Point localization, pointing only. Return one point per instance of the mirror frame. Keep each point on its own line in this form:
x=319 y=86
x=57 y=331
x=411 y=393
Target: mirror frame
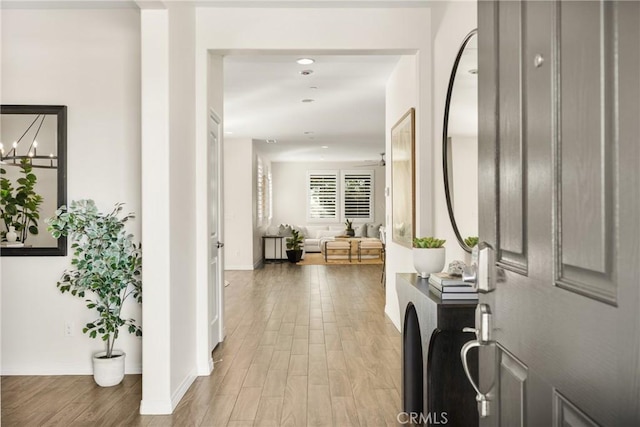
x=60 y=111
x=446 y=154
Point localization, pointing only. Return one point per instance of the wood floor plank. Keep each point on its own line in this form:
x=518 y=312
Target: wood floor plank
x=339 y=383
x=389 y=403
x=275 y=383
x=300 y=346
x=232 y=382
x=263 y=355
x=280 y=360
x=256 y=375
x=344 y=411
x=220 y=410
x=247 y=404
x=294 y=407
x=298 y=365
x=319 y=406
x=336 y=360
x=269 y=412
x=300 y=331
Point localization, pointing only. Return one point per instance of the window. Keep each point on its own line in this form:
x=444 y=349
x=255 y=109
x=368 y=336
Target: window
x=357 y=195
x=323 y=196
x=353 y=200
x=265 y=193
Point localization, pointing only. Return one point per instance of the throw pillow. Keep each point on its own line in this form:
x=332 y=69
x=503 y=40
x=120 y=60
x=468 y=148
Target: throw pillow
x=302 y=230
x=361 y=231
x=373 y=230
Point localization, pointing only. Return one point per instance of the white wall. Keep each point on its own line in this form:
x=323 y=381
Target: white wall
x=156 y=268
x=182 y=198
x=453 y=21
x=88 y=60
x=238 y=208
x=290 y=190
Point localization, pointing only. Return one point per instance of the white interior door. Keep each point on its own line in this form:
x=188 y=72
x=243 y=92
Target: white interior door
x=216 y=272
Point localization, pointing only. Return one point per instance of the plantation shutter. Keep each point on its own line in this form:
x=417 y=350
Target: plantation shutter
x=261 y=186
x=323 y=195
x=357 y=195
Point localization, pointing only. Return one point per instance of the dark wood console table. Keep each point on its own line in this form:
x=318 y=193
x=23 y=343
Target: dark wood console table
x=433 y=379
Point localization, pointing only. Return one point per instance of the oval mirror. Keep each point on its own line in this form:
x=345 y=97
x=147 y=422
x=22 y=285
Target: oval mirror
x=460 y=143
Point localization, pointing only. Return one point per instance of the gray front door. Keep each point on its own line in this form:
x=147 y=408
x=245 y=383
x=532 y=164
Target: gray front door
x=559 y=188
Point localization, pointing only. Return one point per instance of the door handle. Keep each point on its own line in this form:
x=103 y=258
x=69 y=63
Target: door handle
x=481 y=398
x=219 y=244
x=483 y=337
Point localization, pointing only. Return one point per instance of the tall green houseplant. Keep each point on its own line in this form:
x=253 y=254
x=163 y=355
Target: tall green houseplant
x=106 y=264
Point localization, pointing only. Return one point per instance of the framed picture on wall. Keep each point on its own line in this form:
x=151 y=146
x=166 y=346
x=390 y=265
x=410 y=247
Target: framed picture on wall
x=403 y=212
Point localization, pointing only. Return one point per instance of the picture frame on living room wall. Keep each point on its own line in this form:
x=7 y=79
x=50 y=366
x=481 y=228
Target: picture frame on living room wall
x=403 y=179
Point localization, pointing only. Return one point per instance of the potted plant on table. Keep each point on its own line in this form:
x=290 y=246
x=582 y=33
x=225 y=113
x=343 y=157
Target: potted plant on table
x=106 y=271
x=428 y=255
x=349 y=231
x=294 y=246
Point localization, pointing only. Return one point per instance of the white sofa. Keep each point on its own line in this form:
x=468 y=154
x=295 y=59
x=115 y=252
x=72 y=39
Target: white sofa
x=314 y=236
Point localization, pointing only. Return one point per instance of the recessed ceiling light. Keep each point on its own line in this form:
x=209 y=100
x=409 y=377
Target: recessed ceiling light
x=271 y=141
x=307 y=100
x=306 y=72
x=313 y=87
x=305 y=61
x=308 y=133
x=325 y=146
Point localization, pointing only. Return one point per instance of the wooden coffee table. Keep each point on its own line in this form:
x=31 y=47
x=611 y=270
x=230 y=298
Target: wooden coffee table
x=337 y=247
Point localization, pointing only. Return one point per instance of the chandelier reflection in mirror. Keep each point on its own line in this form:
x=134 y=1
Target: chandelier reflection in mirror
x=27 y=144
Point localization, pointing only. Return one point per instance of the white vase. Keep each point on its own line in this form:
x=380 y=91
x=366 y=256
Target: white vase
x=108 y=372
x=428 y=260
x=12 y=236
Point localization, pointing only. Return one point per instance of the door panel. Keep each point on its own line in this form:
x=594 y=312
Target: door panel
x=216 y=273
x=513 y=381
x=566 y=414
x=559 y=192
x=512 y=151
x=585 y=144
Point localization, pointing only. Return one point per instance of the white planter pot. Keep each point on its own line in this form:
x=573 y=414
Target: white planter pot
x=108 y=372
x=428 y=260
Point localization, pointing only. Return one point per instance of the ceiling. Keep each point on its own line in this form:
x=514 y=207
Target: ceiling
x=263 y=101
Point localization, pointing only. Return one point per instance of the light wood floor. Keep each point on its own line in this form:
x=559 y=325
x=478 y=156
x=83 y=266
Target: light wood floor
x=306 y=346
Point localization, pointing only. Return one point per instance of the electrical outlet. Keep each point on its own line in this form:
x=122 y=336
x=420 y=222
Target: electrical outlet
x=69 y=327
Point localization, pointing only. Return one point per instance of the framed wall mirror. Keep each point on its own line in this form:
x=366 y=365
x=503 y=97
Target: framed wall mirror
x=33 y=178
x=460 y=143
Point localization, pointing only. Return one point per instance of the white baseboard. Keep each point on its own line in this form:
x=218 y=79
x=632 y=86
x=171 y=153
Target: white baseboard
x=155 y=407
x=60 y=370
x=205 y=371
x=182 y=389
